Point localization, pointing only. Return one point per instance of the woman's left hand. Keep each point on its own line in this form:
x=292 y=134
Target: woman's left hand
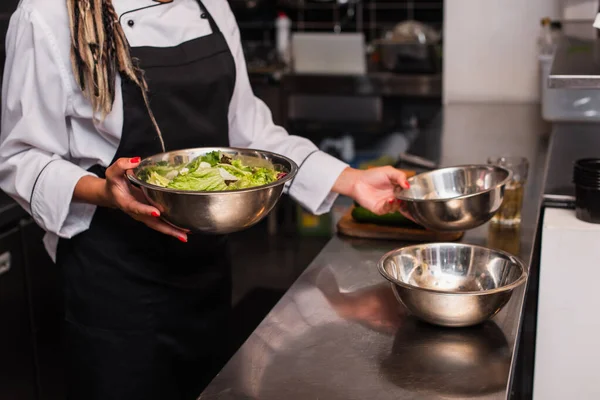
x=372 y=188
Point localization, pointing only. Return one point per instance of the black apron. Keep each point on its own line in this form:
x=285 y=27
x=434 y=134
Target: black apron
x=146 y=314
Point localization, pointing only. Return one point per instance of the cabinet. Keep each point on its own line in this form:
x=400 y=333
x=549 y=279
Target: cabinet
x=31 y=356
x=566 y=349
x=45 y=301
x=17 y=371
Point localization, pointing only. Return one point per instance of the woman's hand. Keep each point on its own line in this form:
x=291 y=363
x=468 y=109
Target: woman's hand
x=116 y=192
x=372 y=188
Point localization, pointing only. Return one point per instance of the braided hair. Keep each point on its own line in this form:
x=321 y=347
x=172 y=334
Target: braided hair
x=99 y=50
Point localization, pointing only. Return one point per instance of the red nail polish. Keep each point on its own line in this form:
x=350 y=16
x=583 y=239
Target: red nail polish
x=135 y=160
x=407 y=185
x=155 y=214
x=391 y=201
x=182 y=239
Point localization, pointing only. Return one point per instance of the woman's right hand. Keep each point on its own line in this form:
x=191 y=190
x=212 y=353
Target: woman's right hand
x=129 y=199
x=116 y=192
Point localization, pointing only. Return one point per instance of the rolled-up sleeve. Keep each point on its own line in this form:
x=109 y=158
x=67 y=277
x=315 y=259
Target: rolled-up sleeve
x=251 y=125
x=34 y=141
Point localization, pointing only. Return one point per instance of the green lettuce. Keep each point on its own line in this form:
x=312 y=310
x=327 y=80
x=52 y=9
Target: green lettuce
x=235 y=171
x=161 y=168
x=213 y=171
x=201 y=180
x=157 y=179
x=239 y=165
x=260 y=177
x=213 y=158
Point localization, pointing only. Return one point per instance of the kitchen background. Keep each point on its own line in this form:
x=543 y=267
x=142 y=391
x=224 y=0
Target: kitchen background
x=487 y=53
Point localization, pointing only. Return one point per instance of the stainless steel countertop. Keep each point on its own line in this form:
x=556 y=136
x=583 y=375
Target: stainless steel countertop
x=338 y=333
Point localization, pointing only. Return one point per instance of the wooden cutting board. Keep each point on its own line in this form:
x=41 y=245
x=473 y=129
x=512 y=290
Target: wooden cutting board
x=349 y=227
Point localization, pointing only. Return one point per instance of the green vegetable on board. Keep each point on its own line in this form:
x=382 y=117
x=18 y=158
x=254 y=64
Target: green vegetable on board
x=362 y=215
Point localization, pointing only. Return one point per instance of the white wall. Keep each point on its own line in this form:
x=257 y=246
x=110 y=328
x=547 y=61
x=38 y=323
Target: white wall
x=490 y=49
x=578 y=9
x=503 y=129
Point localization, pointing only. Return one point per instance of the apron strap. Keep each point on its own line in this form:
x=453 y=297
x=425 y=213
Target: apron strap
x=211 y=20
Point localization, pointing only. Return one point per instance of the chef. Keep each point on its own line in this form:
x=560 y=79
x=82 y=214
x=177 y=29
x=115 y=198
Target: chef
x=90 y=88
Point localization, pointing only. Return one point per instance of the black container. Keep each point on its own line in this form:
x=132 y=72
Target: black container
x=586 y=176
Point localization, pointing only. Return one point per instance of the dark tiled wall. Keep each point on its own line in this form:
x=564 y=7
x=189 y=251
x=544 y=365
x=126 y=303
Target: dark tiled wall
x=8 y=6
x=6 y=9
x=373 y=17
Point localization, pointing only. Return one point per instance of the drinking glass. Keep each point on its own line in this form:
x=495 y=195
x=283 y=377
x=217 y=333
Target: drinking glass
x=505 y=238
x=509 y=213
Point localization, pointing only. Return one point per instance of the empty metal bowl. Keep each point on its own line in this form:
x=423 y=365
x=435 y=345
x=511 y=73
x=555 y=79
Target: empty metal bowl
x=452 y=284
x=216 y=212
x=456 y=198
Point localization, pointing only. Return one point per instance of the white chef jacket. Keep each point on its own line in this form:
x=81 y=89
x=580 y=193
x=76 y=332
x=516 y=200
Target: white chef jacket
x=48 y=139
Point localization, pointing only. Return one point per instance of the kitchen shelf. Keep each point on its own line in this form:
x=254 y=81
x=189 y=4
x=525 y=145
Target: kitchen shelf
x=384 y=84
x=431 y=5
x=376 y=6
x=576 y=65
x=319 y=25
x=370 y=16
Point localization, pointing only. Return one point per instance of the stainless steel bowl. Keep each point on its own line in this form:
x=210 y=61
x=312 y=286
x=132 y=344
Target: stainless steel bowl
x=216 y=212
x=452 y=284
x=456 y=198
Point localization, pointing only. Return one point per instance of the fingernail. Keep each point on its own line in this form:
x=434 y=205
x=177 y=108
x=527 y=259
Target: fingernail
x=182 y=239
x=407 y=185
x=135 y=160
x=155 y=214
x=391 y=201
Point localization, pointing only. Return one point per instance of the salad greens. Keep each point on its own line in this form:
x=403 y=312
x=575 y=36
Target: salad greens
x=214 y=171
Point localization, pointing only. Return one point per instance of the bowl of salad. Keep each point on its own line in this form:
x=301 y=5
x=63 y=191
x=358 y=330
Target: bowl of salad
x=213 y=190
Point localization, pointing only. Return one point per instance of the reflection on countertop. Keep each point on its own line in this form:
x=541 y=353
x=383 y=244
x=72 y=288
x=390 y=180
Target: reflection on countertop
x=338 y=334
x=422 y=355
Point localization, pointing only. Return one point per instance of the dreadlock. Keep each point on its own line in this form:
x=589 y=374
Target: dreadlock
x=99 y=50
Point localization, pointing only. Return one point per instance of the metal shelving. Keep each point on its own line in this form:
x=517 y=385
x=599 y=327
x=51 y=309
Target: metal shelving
x=369 y=16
